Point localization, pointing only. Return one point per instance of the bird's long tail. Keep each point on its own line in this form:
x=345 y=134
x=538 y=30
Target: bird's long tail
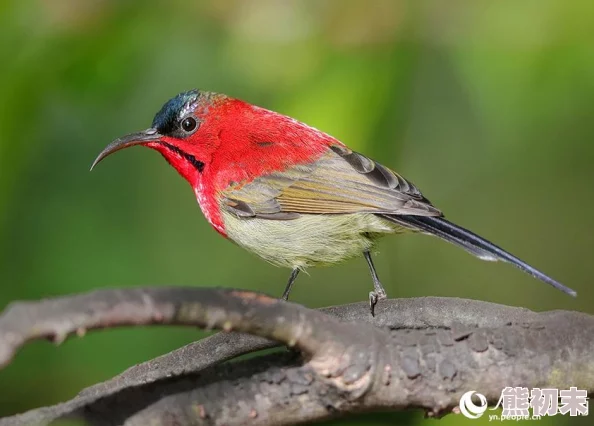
x=472 y=243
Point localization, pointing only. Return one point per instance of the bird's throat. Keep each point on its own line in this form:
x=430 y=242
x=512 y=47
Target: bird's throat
x=193 y=171
x=187 y=165
x=198 y=165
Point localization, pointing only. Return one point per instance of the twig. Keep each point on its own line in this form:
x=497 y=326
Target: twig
x=417 y=353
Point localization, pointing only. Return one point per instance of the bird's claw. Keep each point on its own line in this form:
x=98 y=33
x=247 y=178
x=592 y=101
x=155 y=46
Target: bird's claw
x=374 y=297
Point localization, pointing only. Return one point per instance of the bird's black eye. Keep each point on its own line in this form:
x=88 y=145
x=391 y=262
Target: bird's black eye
x=189 y=124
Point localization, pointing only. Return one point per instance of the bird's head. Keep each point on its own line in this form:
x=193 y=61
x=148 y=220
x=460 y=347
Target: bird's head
x=182 y=131
x=210 y=137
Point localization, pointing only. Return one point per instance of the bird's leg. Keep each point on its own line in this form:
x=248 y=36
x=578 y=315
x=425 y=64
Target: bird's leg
x=294 y=274
x=378 y=292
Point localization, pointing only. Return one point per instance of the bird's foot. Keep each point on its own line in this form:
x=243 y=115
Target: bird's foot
x=289 y=285
x=374 y=297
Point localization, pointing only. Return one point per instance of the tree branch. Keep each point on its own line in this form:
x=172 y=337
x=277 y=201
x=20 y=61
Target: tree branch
x=420 y=353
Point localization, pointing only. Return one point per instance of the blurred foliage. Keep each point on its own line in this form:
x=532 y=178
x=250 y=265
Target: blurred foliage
x=486 y=106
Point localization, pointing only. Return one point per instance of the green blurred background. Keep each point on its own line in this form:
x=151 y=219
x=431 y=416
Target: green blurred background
x=487 y=106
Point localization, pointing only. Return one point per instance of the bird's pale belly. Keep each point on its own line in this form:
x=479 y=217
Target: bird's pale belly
x=310 y=240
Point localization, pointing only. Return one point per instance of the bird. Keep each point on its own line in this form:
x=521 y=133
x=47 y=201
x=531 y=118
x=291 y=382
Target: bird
x=292 y=194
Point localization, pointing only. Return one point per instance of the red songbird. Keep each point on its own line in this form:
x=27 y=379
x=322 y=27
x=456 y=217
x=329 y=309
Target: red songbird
x=293 y=195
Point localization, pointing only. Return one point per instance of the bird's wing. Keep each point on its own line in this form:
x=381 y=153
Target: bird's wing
x=341 y=181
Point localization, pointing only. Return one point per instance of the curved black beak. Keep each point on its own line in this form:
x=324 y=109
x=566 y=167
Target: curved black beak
x=148 y=135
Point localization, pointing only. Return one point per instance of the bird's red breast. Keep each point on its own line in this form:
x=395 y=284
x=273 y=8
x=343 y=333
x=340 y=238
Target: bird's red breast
x=238 y=142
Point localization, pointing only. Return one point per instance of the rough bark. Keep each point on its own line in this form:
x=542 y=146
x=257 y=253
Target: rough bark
x=415 y=353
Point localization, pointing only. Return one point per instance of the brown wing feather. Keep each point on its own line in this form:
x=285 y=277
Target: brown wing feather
x=341 y=181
